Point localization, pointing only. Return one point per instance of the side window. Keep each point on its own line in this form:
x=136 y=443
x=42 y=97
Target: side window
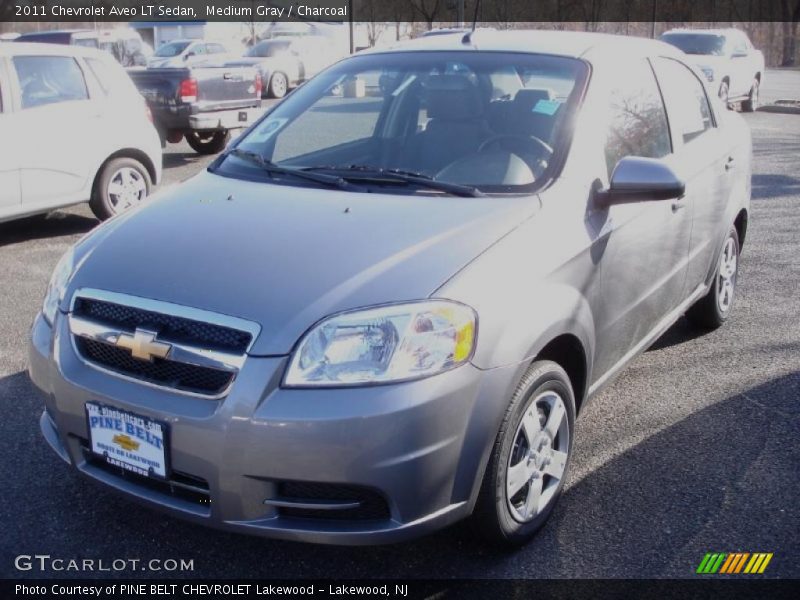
x=687 y=103
x=111 y=77
x=638 y=123
x=216 y=49
x=49 y=80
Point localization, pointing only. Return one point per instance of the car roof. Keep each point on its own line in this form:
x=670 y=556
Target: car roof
x=57 y=32
x=716 y=32
x=42 y=49
x=572 y=44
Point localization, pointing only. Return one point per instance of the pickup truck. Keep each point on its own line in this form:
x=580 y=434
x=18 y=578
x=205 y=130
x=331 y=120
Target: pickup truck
x=733 y=67
x=202 y=104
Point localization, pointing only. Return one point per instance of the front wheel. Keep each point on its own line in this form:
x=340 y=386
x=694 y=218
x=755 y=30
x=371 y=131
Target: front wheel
x=122 y=184
x=208 y=142
x=714 y=308
x=530 y=459
x=751 y=104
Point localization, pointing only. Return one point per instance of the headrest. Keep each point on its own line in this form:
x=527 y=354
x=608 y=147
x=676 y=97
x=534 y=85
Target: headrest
x=452 y=98
x=528 y=97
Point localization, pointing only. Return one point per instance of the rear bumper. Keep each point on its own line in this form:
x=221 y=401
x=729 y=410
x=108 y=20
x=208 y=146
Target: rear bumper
x=420 y=446
x=225 y=119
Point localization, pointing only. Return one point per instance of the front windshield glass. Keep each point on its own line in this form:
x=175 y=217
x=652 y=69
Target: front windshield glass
x=696 y=43
x=490 y=120
x=171 y=49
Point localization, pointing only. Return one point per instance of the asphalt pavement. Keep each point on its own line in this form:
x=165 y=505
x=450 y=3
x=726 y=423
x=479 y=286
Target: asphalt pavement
x=694 y=449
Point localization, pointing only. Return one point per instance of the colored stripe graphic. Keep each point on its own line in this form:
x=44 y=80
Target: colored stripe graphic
x=734 y=563
x=741 y=562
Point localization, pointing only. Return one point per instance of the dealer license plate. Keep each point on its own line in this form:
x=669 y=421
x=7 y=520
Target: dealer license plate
x=127 y=440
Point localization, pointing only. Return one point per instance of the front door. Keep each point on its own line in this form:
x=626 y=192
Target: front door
x=646 y=251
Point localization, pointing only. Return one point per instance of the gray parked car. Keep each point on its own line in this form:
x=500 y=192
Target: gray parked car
x=379 y=312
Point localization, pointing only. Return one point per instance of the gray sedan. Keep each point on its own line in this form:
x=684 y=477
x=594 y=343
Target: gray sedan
x=380 y=310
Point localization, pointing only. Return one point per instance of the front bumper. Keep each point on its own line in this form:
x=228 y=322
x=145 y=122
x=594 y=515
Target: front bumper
x=420 y=446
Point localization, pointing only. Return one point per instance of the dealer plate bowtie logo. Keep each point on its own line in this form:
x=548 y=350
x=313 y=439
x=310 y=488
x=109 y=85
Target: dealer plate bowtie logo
x=125 y=442
x=143 y=345
x=734 y=563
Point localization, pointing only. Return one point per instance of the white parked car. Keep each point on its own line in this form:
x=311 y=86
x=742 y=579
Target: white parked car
x=73 y=129
x=732 y=66
x=185 y=53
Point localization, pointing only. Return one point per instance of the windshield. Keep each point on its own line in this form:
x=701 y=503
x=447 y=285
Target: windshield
x=696 y=43
x=172 y=49
x=266 y=49
x=490 y=120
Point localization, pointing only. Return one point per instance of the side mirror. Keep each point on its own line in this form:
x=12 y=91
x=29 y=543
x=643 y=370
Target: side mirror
x=188 y=55
x=637 y=179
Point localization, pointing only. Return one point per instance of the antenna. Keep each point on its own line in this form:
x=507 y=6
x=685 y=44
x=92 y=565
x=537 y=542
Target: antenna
x=467 y=39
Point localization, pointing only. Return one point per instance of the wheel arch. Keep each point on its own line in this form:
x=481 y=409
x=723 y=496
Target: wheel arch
x=740 y=223
x=127 y=153
x=567 y=351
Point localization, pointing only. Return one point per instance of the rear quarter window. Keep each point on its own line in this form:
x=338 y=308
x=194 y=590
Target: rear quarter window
x=112 y=78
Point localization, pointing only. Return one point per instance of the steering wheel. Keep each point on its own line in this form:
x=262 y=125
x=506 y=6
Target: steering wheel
x=532 y=143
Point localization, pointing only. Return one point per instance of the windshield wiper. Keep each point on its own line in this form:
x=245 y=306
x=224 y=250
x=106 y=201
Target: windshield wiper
x=273 y=169
x=377 y=174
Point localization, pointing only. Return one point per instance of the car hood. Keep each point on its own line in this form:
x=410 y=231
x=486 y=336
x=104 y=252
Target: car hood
x=157 y=62
x=708 y=60
x=284 y=256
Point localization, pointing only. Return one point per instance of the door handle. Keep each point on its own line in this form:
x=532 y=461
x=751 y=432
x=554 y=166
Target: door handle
x=730 y=163
x=678 y=204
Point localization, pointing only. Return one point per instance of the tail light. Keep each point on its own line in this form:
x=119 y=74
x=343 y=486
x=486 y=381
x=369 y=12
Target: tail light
x=259 y=85
x=188 y=90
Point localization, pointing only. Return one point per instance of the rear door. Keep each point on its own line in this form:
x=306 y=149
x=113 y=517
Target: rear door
x=703 y=153
x=9 y=134
x=60 y=124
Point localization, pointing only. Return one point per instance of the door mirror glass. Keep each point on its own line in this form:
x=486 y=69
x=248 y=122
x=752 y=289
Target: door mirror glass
x=636 y=179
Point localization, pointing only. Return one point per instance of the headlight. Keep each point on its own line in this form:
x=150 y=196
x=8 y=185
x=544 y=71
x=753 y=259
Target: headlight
x=388 y=343
x=57 y=285
x=708 y=72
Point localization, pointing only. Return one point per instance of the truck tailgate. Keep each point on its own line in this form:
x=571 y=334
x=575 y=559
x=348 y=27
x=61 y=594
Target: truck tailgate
x=221 y=88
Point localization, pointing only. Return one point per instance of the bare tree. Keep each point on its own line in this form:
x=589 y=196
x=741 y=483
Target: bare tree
x=790 y=11
x=427 y=9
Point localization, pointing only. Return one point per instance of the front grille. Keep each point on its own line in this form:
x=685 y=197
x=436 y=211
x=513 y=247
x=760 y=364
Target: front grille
x=170 y=327
x=373 y=506
x=164 y=372
x=180 y=485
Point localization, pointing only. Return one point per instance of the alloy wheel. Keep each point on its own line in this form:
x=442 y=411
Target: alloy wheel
x=126 y=188
x=726 y=283
x=538 y=458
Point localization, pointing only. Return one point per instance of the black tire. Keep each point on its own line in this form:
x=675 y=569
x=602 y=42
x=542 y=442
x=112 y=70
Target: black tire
x=724 y=93
x=278 y=85
x=492 y=517
x=751 y=103
x=707 y=314
x=102 y=202
x=208 y=142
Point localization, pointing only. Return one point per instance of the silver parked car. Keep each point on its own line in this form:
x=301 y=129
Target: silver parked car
x=383 y=308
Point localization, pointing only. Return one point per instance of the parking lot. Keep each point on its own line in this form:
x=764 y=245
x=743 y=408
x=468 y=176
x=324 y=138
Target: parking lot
x=694 y=449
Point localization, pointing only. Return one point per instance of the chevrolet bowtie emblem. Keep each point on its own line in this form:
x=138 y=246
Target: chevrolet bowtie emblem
x=125 y=442
x=143 y=345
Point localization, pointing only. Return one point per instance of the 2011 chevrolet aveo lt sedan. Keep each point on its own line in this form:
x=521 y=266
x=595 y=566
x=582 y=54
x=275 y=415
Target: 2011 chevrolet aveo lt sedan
x=381 y=308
